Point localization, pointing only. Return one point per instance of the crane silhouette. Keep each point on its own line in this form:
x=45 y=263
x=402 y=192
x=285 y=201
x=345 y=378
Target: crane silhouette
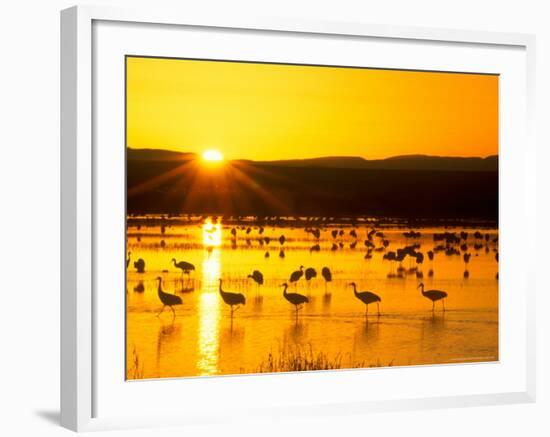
x=310 y=273
x=257 y=277
x=232 y=299
x=184 y=266
x=367 y=297
x=295 y=299
x=433 y=295
x=466 y=257
x=140 y=265
x=296 y=275
x=327 y=275
x=167 y=299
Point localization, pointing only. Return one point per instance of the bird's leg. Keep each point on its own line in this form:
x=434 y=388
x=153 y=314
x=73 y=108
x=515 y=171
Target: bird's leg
x=378 y=305
x=173 y=312
x=433 y=306
x=443 y=302
x=161 y=311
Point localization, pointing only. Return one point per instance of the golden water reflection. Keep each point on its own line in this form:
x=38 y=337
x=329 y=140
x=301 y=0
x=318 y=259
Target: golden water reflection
x=209 y=311
x=212 y=233
x=204 y=340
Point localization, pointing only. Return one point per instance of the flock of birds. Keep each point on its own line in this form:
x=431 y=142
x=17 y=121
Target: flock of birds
x=235 y=300
x=449 y=243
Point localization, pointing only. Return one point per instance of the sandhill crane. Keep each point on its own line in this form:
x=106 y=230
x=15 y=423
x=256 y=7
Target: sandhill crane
x=233 y=232
x=433 y=295
x=167 y=299
x=282 y=239
x=128 y=259
x=232 y=299
x=184 y=266
x=310 y=273
x=466 y=258
x=266 y=255
x=315 y=248
x=334 y=233
x=295 y=299
x=257 y=276
x=353 y=233
x=296 y=275
x=316 y=233
x=140 y=265
x=367 y=297
x=327 y=275
x=281 y=253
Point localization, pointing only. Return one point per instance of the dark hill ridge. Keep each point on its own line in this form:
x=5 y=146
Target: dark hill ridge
x=411 y=187
x=405 y=162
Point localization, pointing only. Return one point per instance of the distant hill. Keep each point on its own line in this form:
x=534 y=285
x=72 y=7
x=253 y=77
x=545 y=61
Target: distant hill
x=158 y=155
x=407 y=186
x=405 y=162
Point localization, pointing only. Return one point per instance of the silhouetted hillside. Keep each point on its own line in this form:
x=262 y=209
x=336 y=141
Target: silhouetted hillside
x=406 y=162
x=179 y=183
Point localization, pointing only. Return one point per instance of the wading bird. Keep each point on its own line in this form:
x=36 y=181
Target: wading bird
x=140 y=265
x=257 y=276
x=310 y=273
x=296 y=275
x=433 y=295
x=327 y=275
x=367 y=297
x=184 y=266
x=466 y=258
x=167 y=299
x=295 y=299
x=232 y=299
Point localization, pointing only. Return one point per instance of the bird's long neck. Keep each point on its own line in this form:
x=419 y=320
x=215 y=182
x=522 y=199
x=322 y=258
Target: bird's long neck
x=354 y=289
x=220 y=288
x=159 y=289
x=422 y=290
x=174 y=261
x=284 y=291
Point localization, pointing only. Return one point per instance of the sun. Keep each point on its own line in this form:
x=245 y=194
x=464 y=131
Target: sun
x=212 y=155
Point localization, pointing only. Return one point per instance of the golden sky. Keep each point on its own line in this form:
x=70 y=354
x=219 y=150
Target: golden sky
x=268 y=111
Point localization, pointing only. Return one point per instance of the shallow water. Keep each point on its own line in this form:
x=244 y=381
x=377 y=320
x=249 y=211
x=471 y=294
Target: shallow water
x=203 y=339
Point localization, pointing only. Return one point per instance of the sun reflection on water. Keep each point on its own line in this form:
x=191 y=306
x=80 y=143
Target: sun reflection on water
x=209 y=302
x=211 y=233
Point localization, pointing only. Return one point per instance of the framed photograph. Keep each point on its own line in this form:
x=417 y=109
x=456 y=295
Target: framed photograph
x=291 y=218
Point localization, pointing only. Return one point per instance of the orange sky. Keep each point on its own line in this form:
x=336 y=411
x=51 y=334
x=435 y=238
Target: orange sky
x=267 y=111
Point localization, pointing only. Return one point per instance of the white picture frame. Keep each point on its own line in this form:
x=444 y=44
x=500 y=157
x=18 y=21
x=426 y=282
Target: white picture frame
x=80 y=224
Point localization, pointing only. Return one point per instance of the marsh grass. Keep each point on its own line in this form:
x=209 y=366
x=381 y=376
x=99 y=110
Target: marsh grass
x=136 y=371
x=302 y=359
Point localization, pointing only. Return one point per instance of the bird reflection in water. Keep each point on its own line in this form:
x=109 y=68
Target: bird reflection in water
x=166 y=339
